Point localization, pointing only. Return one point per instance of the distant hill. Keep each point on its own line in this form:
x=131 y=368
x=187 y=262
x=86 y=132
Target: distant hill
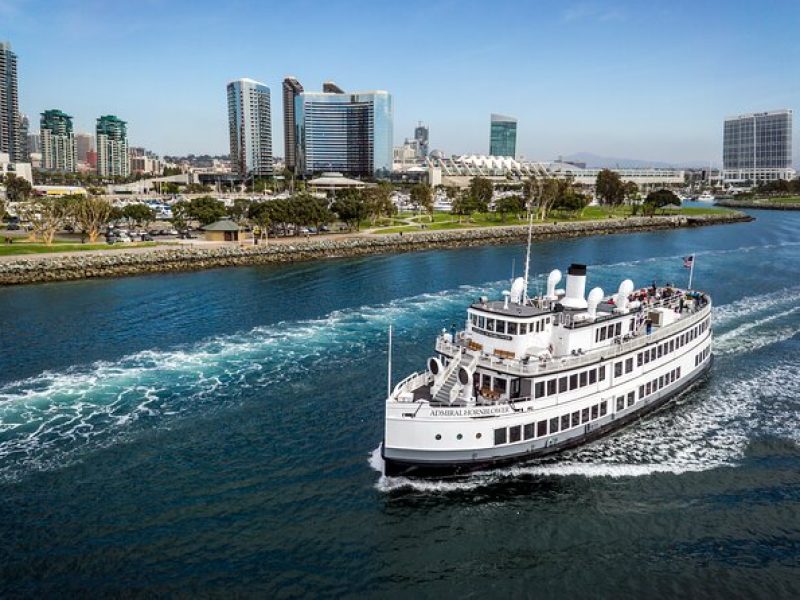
x=609 y=162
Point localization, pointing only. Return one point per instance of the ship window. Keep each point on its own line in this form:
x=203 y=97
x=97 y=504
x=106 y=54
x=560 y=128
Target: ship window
x=529 y=430
x=539 y=389
x=564 y=422
x=500 y=385
x=679 y=372
x=646 y=354
x=603 y=408
x=499 y=436
x=573 y=381
x=576 y=419
x=481 y=322
x=501 y=326
x=628 y=365
x=601 y=334
x=459 y=436
x=551 y=387
x=514 y=433
x=639 y=360
x=648 y=389
x=541 y=428
x=661 y=381
x=511 y=328
x=620 y=402
x=486 y=381
x=438 y=436
x=652 y=353
x=554 y=425
x=660 y=350
x=601 y=373
x=595 y=411
x=478 y=436
x=672 y=345
x=618 y=369
x=585 y=415
x=593 y=376
x=631 y=398
x=547 y=321
x=523 y=328
x=473 y=319
x=641 y=392
x=596 y=335
x=538 y=328
x=490 y=324
x=562 y=384
x=583 y=378
x=618 y=329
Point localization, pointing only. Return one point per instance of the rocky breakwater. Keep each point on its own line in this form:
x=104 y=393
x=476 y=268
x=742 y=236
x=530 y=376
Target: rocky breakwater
x=115 y=263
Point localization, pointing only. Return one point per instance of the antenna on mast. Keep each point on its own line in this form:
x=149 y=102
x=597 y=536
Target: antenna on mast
x=389 y=366
x=528 y=256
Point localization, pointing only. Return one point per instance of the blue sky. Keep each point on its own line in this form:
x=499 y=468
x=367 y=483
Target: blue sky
x=649 y=80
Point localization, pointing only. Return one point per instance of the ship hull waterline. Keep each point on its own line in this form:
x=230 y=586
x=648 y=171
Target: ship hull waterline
x=431 y=469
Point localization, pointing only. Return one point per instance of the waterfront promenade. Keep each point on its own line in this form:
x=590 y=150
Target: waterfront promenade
x=157 y=259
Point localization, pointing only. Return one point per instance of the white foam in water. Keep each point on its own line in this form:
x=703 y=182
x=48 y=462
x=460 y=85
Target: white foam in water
x=708 y=429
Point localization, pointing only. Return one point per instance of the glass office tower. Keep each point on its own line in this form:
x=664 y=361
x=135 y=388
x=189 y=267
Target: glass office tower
x=503 y=136
x=291 y=89
x=250 y=128
x=11 y=141
x=757 y=147
x=349 y=133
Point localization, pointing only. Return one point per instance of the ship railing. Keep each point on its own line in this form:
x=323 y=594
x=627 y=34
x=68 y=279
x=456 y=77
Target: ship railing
x=458 y=387
x=454 y=364
x=411 y=383
x=534 y=366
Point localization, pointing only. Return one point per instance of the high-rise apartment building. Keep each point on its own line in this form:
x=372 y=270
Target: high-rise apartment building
x=34 y=143
x=250 y=128
x=757 y=147
x=421 y=135
x=84 y=143
x=291 y=89
x=58 y=141
x=112 y=147
x=503 y=136
x=329 y=87
x=11 y=141
x=346 y=132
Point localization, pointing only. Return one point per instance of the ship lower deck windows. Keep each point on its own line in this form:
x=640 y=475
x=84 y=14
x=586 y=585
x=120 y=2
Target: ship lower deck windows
x=601 y=373
x=551 y=387
x=620 y=402
x=541 y=429
x=583 y=378
x=573 y=381
x=639 y=360
x=562 y=384
x=515 y=433
x=554 y=425
x=603 y=408
x=539 y=389
x=592 y=376
x=529 y=431
x=618 y=369
x=511 y=328
x=564 y=422
x=585 y=415
x=500 y=436
x=631 y=398
x=628 y=365
x=595 y=411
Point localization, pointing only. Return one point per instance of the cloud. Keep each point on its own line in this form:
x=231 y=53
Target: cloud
x=590 y=11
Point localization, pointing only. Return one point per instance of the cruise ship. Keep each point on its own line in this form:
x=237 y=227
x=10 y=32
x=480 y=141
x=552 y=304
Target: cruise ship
x=532 y=376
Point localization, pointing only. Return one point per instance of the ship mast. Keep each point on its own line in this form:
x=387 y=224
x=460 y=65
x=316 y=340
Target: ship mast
x=528 y=257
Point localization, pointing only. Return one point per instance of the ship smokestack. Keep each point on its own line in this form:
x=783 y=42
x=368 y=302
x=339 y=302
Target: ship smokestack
x=576 y=287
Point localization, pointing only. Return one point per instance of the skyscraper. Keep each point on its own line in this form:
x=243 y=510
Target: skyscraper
x=24 y=130
x=11 y=141
x=58 y=141
x=84 y=143
x=291 y=89
x=329 y=87
x=112 y=147
x=757 y=147
x=250 y=127
x=503 y=136
x=421 y=135
x=349 y=133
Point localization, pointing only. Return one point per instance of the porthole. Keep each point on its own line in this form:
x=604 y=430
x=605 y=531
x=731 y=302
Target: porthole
x=438 y=436
x=459 y=436
x=478 y=436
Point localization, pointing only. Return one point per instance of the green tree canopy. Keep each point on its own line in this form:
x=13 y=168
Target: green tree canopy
x=206 y=209
x=140 y=214
x=659 y=199
x=481 y=192
x=351 y=208
x=609 y=187
x=422 y=197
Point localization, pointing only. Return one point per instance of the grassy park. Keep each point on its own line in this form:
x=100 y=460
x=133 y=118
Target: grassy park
x=22 y=246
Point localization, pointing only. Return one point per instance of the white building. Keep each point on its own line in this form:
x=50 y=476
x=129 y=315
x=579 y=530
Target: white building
x=19 y=169
x=250 y=127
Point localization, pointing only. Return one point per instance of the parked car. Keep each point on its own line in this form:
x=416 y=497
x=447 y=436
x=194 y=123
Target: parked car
x=111 y=240
x=187 y=235
x=146 y=237
x=13 y=227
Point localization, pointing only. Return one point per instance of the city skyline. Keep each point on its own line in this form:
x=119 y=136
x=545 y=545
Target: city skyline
x=665 y=98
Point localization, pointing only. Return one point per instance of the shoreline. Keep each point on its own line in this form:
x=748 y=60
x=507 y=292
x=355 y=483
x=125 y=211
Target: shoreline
x=119 y=263
x=755 y=204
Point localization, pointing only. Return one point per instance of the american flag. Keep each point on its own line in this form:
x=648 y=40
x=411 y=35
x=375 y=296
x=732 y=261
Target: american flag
x=688 y=260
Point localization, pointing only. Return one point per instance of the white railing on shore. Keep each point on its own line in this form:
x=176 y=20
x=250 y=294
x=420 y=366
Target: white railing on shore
x=537 y=367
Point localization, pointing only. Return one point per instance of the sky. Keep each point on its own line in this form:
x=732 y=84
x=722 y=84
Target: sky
x=645 y=80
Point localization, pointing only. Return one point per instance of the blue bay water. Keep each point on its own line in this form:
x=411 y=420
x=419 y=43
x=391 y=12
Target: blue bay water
x=215 y=433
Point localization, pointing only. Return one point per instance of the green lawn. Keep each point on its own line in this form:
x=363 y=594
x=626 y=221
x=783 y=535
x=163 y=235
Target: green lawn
x=443 y=220
x=23 y=247
x=781 y=200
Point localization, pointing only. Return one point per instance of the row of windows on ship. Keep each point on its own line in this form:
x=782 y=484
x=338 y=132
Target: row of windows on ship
x=508 y=327
x=566 y=383
x=545 y=427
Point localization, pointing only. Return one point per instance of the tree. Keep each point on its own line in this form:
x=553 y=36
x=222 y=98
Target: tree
x=47 y=215
x=378 y=201
x=206 y=209
x=180 y=214
x=140 y=214
x=259 y=213
x=659 y=199
x=569 y=199
x=609 y=187
x=91 y=213
x=170 y=187
x=631 y=192
x=481 y=192
x=17 y=188
x=422 y=196
x=351 y=209
x=239 y=210
x=309 y=210
x=508 y=205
